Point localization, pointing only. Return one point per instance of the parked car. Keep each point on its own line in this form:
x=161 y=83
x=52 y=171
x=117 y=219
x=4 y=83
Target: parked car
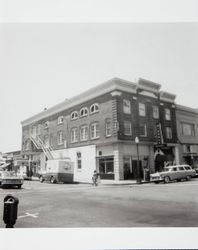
x=196 y=170
x=171 y=173
x=10 y=179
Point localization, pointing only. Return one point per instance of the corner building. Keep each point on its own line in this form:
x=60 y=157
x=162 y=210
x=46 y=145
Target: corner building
x=97 y=130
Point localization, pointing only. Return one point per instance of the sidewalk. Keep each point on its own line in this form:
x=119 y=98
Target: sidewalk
x=122 y=182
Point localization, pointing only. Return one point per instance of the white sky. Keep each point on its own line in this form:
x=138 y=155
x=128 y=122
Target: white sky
x=42 y=64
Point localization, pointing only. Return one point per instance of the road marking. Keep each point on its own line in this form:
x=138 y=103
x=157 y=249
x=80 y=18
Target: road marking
x=29 y=214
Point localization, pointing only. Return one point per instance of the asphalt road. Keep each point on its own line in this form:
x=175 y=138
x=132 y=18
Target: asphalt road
x=44 y=205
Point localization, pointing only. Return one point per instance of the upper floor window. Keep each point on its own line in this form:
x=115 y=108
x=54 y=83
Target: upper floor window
x=83 y=112
x=108 y=127
x=167 y=114
x=169 y=133
x=94 y=130
x=39 y=129
x=34 y=130
x=126 y=106
x=74 y=135
x=94 y=108
x=27 y=145
x=84 y=133
x=60 y=119
x=74 y=115
x=188 y=129
x=142 y=109
x=60 y=137
x=46 y=125
x=155 y=112
x=143 y=130
x=127 y=128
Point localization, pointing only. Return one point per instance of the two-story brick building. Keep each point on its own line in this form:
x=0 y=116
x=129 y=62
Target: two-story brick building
x=97 y=130
x=187 y=129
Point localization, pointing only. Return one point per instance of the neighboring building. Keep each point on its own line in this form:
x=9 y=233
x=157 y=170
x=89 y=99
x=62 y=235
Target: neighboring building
x=97 y=130
x=11 y=158
x=187 y=130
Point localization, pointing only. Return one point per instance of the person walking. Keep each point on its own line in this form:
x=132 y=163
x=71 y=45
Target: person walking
x=95 y=178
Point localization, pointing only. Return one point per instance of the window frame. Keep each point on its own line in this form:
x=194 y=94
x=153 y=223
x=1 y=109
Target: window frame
x=125 y=128
x=94 y=105
x=126 y=106
x=167 y=115
x=74 y=137
x=84 y=137
x=169 y=132
x=140 y=110
x=75 y=114
x=95 y=131
x=60 y=142
x=108 y=122
x=145 y=130
x=60 y=120
x=84 y=113
x=155 y=108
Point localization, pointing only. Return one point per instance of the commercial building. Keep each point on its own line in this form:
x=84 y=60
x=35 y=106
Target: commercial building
x=187 y=130
x=97 y=130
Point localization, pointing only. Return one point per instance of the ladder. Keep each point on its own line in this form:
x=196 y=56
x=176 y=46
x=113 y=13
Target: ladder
x=39 y=144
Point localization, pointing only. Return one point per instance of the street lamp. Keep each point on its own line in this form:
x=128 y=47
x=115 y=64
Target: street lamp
x=138 y=162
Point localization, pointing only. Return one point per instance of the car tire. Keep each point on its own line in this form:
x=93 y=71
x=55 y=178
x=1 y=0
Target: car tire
x=19 y=186
x=188 y=177
x=156 y=182
x=52 y=180
x=166 y=179
x=41 y=179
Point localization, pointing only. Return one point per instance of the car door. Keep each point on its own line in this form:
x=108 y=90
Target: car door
x=181 y=172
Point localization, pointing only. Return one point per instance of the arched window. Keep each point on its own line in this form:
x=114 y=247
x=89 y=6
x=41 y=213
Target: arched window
x=83 y=112
x=74 y=115
x=94 y=108
x=60 y=119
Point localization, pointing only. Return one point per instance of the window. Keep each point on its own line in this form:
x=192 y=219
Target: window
x=74 y=135
x=34 y=130
x=106 y=166
x=60 y=119
x=60 y=138
x=94 y=108
x=46 y=141
x=108 y=127
x=168 y=133
x=84 y=133
x=127 y=128
x=74 y=115
x=46 y=125
x=83 y=112
x=180 y=168
x=126 y=106
x=79 y=160
x=142 y=109
x=143 y=130
x=155 y=112
x=167 y=114
x=94 y=130
x=188 y=129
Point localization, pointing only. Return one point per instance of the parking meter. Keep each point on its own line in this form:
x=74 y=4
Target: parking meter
x=10 y=210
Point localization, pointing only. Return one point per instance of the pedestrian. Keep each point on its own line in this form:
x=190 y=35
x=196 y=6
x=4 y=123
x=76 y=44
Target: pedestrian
x=95 y=178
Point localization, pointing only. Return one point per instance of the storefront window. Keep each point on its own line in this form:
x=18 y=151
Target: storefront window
x=106 y=168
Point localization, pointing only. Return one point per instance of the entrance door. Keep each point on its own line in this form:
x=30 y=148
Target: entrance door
x=128 y=174
x=135 y=169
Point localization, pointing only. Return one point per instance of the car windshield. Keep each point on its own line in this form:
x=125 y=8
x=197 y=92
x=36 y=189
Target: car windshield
x=9 y=174
x=167 y=169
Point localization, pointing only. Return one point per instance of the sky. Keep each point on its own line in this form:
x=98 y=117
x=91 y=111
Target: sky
x=42 y=64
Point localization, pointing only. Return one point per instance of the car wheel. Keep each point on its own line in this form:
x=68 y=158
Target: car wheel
x=166 y=179
x=19 y=186
x=41 y=179
x=156 y=182
x=188 y=177
x=52 y=180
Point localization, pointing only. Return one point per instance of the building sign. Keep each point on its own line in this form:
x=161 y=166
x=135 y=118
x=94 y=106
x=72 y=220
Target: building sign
x=159 y=135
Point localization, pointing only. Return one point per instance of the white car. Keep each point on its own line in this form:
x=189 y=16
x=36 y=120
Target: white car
x=171 y=173
x=10 y=178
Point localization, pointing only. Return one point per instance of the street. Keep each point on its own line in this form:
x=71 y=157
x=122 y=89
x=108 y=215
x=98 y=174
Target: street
x=82 y=205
